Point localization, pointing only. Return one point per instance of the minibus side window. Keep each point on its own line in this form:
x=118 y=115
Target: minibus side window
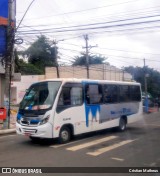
x=135 y=93
x=93 y=94
x=124 y=93
x=71 y=95
x=111 y=93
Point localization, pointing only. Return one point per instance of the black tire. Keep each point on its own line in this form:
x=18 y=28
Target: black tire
x=64 y=135
x=122 y=125
x=34 y=139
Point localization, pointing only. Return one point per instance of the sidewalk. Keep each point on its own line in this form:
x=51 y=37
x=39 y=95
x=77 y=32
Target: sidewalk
x=3 y=126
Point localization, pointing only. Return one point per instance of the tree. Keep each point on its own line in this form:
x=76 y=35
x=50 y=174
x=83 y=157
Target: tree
x=93 y=59
x=41 y=54
x=25 y=68
x=16 y=63
x=153 y=78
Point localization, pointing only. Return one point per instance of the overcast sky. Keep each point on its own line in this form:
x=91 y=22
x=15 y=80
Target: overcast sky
x=125 y=31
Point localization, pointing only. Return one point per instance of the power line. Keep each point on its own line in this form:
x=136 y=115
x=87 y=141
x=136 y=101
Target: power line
x=94 y=24
x=99 y=27
x=85 y=10
x=71 y=44
x=127 y=51
x=33 y=29
x=73 y=59
x=24 y=14
x=104 y=17
x=127 y=31
x=119 y=32
x=70 y=50
x=126 y=57
x=101 y=32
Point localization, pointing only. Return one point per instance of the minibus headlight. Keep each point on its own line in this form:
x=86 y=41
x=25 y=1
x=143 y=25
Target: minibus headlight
x=45 y=120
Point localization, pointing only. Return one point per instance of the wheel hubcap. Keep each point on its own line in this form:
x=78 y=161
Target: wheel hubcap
x=64 y=135
x=122 y=125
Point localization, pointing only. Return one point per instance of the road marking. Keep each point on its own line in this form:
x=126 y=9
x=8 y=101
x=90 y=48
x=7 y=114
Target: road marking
x=153 y=164
x=61 y=145
x=106 y=149
x=88 y=144
x=118 y=159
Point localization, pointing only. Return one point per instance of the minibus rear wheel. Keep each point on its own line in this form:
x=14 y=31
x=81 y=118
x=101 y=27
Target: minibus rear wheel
x=64 y=135
x=122 y=124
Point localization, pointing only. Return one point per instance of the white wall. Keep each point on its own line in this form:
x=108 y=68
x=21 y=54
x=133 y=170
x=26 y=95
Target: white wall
x=99 y=71
x=18 y=88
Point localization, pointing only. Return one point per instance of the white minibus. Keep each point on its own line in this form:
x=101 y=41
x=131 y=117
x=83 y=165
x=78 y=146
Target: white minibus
x=62 y=108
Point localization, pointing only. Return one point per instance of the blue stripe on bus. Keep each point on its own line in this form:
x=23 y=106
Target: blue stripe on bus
x=19 y=116
x=93 y=109
x=90 y=108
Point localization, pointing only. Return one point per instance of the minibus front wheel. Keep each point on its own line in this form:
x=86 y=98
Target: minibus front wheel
x=64 y=135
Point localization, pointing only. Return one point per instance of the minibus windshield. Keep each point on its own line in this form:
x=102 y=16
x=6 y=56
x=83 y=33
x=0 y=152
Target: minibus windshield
x=40 y=96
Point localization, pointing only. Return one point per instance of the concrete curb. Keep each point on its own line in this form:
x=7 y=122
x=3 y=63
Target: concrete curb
x=7 y=131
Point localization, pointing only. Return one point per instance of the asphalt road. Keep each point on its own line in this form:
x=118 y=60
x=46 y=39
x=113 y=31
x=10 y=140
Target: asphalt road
x=138 y=146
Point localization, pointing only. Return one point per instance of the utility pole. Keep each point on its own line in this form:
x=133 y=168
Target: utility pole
x=87 y=53
x=145 y=87
x=55 y=55
x=123 y=74
x=87 y=56
x=104 y=71
x=8 y=62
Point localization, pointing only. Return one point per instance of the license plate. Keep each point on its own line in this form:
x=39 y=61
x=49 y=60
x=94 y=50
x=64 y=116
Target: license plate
x=27 y=134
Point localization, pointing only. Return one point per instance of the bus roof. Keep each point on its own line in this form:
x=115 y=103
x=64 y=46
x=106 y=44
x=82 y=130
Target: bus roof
x=91 y=81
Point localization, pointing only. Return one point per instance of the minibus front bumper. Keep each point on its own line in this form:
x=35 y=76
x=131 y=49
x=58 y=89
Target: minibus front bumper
x=41 y=131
